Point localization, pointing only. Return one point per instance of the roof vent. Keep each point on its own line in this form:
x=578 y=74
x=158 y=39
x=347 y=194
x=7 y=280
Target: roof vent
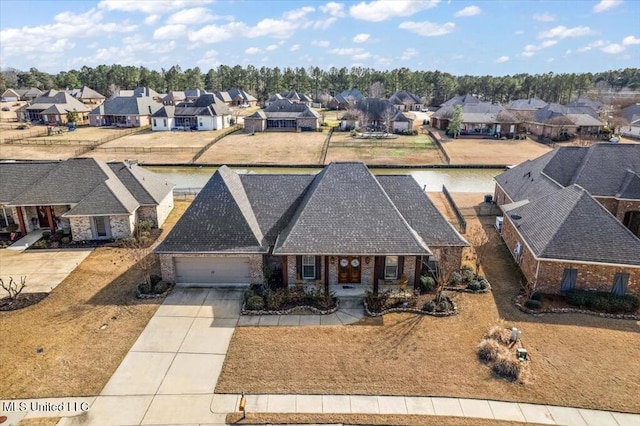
x=515 y=217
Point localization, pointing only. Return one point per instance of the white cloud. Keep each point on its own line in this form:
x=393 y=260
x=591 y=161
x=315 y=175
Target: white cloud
x=613 y=48
x=271 y=28
x=361 y=38
x=468 y=11
x=296 y=14
x=598 y=43
x=519 y=32
x=217 y=33
x=630 y=40
x=272 y=47
x=151 y=19
x=169 y=32
x=148 y=6
x=428 y=29
x=544 y=17
x=193 y=16
x=323 y=24
x=294 y=48
x=567 y=52
x=531 y=49
x=563 y=32
x=334 y=9
x=502 y=59
x=606 y=5
x=209 y=58
x=252 y=51
x=408 y=53
x=320 y=43
x=381 y=10
x=348 y=51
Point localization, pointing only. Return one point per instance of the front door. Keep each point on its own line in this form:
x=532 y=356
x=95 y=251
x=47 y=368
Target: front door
x=43 y=222
x=349 y=269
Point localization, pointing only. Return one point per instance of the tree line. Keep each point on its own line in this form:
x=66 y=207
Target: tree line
x=434 y=87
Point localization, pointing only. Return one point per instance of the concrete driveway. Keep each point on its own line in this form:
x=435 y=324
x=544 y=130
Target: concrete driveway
x=44 y=269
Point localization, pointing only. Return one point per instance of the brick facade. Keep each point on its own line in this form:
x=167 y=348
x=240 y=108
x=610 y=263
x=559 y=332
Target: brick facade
x=168 y=268
x=313 y=123
x=122 y=226
x=81 y=229
x=254 y=125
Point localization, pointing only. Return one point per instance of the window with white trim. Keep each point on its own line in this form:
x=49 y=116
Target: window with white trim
x=308 y=267
x=390 y=267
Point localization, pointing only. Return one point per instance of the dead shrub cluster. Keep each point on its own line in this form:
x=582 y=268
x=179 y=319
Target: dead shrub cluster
x=495 y=350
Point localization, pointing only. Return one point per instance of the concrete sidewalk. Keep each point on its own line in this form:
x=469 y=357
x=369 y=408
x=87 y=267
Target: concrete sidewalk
x=170 y=373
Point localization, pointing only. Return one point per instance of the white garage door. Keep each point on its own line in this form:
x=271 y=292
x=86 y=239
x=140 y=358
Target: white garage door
x=212 y=270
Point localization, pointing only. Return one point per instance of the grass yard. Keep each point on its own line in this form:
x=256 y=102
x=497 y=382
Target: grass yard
x=86 y=134
x=37 y=152
x=400 y=150
x=492 y=151
x=577 y=360
x=158 y=139
x=78 y=357
x=266 y=148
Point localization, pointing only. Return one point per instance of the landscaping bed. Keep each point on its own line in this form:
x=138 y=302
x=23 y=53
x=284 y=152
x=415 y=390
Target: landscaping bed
x=262 y=300
x=600 y=304
x=22 y=301
x=398 y=302
x=498 y=349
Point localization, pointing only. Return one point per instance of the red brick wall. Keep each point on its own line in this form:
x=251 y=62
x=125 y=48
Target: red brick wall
x=625 y=206
x=590 y=277
x=449 y=258
x=500 y=196
x=527 y=261
x=610 y=204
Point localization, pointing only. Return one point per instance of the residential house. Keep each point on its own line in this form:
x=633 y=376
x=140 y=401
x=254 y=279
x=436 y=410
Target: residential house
x=572 y=218
x=206 y=113
x=376 y=115
x=283 y=116
x=125 y=111
x=347 y=99
x=406 y=101
x=556 y=121
x=141 y=91
x=174 y=97
x=237 y=97
x=586 y=102
x=87 y=95
x=90 y=198
x=478 y=118
x=632 y=115
x=10 y=95
x=525 y=105
x=343 y=228
x=24 y=94
x=53 y=107
x=291 y=95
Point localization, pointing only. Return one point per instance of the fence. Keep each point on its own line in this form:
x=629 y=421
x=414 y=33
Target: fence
x=204 y=149
x=109 y=138
x=146 y=150
x=462 y=223
x=29 y=134
x=436 y=140
x=325 y=148
x=368 y=143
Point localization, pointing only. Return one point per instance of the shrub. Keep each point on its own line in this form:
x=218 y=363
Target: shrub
x=40 y=244
x=533 y=304
x=145 y=288
x=60 y=233
x=376 y=303
x=255 y=303
x=484 y=284
x=474 y=285
x=276 y=299
x=536 y=296
x=467 y=275
x=507 y=368
x=12 y=228
x=443 y=305
x=46 y=235
x=427 y=284
x=65 y=240
x=499 y=334
x=145 y=225
x=429 y=306
x=456 y=278
x=160 y=287
x=127 y=242
x=489 y=350
x=603 y=301
x=155 y=279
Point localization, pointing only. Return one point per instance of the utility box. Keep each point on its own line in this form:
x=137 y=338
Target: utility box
x=498 y=224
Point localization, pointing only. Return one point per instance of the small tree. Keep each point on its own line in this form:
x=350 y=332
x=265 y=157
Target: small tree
x=481 y=242
x=455 y=123
x=139 y=249
x=13 y=289
x=445 y=267
x=376 y=90
x=387 y=116
x=72 y=116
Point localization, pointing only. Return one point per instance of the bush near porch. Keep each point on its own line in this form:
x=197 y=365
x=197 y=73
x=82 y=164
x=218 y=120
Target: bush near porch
x=261 y=299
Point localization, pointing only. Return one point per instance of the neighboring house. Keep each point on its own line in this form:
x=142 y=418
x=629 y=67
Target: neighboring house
x=206 y=113
x=347 y=99
x=141 y=91
x=478 y=117
x=406 y=101
x=125 y=111
x=283 y=116
x=92 y=199
x=586 y=102
x=523 y=105
x=174 y=97
x=572 y=218
x=556 y=121
x=87 y=95
x=237 y=97
x=291 y=95
x=341 y=228
x=25 y=94
x=374 y=115
x=10 y=95
x=632 y=115
x=53 y=107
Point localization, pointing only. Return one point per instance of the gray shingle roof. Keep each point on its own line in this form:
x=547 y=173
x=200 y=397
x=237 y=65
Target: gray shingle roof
x=532 y=104
x=146 y=187
x=85 y=92
x=219 y=219
x=402 y=96
x=418 y=210
x=351 y=95
x=346 y=211
x=632 y=114
x=460 y=100
x=63 y=100
x=575 y=227
x=630 y=188
x=108 y=198
x=16 y=177
x=477 y=112
x=128 y=105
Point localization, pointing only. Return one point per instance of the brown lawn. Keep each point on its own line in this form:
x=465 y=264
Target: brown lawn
x=37 y=152
x=577 y=360
x=400 y=150
x=85 y=134
x=158 y=139
x=266 y=148
x=175 y=157
x=491 y=151
x=78 y=357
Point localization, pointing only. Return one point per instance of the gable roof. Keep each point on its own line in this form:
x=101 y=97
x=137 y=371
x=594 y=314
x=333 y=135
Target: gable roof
x=127 y=105
x=284 y=108
x=63 y=102
x=16 y=177
x=108 y=198
x=346 y=210
x=146 y=187
x=376 y=109
x=351 y=95
x=10 y=93
x=630 y=188
x=477 y=112
x=552 y=111
x=632 y=114
x=460 y=100
x=85 y=92
x=580 y=102
x=402 y=96
x=139 y=91
x=575 y=227
x=532 y=104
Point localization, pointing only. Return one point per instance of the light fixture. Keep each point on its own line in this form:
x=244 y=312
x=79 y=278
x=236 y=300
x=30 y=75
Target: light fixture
x=333 y=260
x=367 y=259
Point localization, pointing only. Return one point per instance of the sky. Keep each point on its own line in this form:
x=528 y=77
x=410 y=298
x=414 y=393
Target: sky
x=460 y=37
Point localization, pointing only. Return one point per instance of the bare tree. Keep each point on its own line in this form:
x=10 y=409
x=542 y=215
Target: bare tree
x=13 y=289
x=388 y=115
x=376 y=90
x=481 y=242
x=445 y=268
x=139 y=249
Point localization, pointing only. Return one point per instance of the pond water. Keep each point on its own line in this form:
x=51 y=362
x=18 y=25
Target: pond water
x=456 y=180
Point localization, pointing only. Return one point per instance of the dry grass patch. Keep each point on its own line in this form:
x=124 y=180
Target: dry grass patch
x=364 y=419
x=161 y=139
x=178 y=157
x=78 y=358
x=266 y=148
x=37 y=152
x=383 y=151
x=492 y=151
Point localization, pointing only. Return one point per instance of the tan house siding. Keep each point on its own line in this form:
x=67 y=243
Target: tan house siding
x=81 y=228
x=122 y=225
x=164 y=208
x=449 y=258
x=168 y=268
x=308 y=122
x=254 y=125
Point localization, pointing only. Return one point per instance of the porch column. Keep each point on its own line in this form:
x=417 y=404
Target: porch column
x=285 y=271
x=52 y=224
x=23 y=228
x=326 y=275
x=418 y=270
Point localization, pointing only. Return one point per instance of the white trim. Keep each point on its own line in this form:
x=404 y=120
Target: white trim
x=396 y=266
x=312 y=265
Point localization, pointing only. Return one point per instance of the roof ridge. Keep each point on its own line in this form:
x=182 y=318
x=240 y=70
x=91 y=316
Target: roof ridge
x=130 y=171
x=572 y=187
x=111 y=176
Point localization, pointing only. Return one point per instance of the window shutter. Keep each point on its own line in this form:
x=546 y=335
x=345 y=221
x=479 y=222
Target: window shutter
x=299 y=267
x=317 y=267
x=400 y=266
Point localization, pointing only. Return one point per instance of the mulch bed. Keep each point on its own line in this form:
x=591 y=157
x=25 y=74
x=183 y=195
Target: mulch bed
x=556 y=304
x=23 y=300
x=154 y=234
